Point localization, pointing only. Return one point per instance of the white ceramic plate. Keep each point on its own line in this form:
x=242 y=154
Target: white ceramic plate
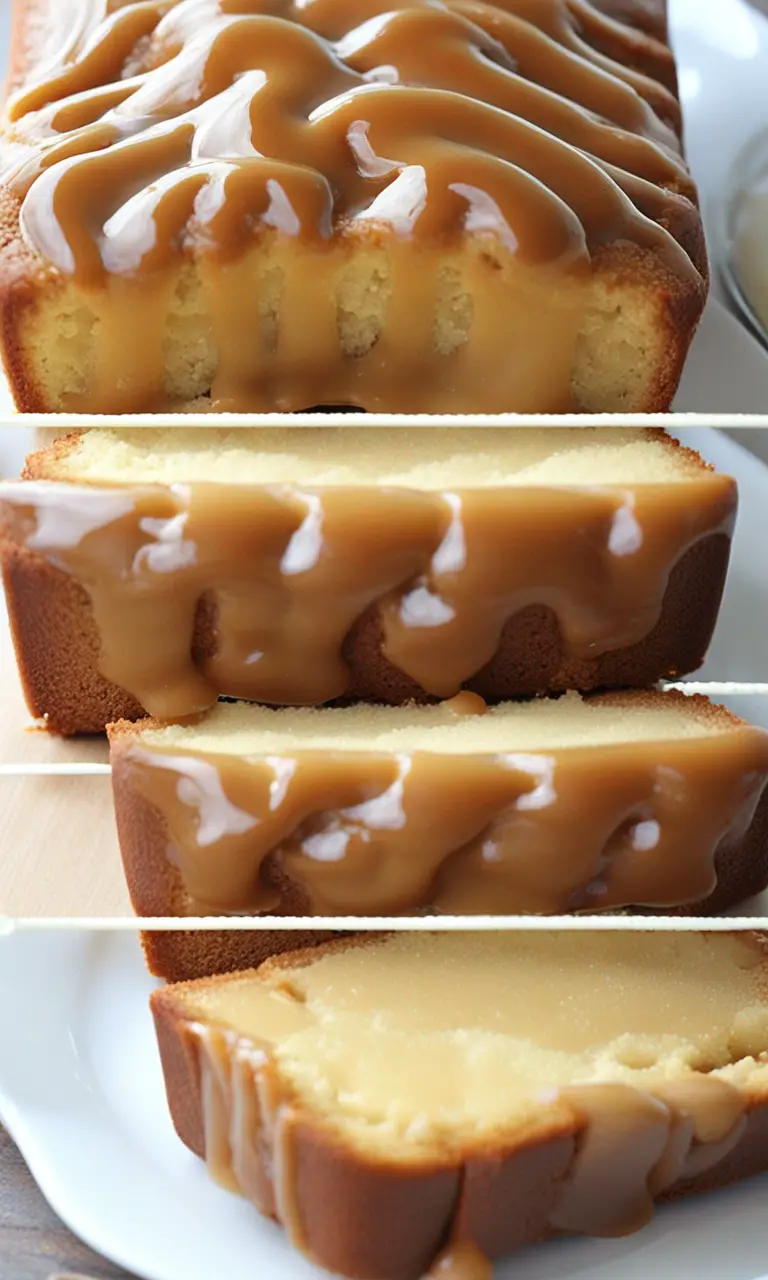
x=81 y=1092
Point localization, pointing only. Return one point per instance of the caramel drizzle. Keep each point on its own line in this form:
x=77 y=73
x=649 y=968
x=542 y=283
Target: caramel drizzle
x=462 y=1260
x=169 y=132
x=584 y=829
x=634 y=1144
x=292 y=570
x=255 y=102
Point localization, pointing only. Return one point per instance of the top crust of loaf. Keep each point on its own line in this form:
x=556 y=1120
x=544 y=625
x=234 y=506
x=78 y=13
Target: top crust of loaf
x=350 y=456
x=686 y=714
x=189 y=1000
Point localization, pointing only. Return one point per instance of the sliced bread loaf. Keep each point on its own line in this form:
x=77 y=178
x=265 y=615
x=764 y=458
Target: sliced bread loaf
x=640 y=799
x=151 y=571
x=426 y=1102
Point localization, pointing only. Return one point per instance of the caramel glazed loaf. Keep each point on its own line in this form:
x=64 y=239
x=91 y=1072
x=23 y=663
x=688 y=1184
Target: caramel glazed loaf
x=557 y=805
x=149 y=572
x=427 y=1103
x=397 y=205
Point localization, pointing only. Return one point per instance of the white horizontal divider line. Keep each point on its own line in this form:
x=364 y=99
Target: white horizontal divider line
x=384 y=924
x=75 y=769
x=671 y=421
x=718 y=689
x=50 y=770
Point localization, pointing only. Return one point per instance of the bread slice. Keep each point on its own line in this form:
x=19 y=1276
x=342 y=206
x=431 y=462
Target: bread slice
x=648 y=799
x=149 y=571
x=465 y=207
x=396 y=1100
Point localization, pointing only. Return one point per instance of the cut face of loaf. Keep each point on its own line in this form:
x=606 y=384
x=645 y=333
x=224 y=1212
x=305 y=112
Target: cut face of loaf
x=393 y=1101
x=151 y=571
x=646 y=799
x=455 y=207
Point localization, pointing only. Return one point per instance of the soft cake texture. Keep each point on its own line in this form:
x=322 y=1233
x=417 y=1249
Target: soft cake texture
x=422 y=458
x=417 y=1040
x=571 y=721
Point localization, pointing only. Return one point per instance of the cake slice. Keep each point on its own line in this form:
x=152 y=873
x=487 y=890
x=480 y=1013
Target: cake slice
x=425 y=1103
x=455 y=207
x=150 y=571
x=647 y=799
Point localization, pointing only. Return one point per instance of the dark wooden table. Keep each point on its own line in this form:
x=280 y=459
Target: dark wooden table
x=34 y=1244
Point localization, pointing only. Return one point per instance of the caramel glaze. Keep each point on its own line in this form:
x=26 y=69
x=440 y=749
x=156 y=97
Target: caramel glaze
x=462 y=1261
x=195 y=131
x=585 y=828
x=633 y=1145
x=291 y=570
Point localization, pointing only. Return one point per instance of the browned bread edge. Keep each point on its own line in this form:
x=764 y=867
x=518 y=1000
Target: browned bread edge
x=372 y=1217
x=197 y=953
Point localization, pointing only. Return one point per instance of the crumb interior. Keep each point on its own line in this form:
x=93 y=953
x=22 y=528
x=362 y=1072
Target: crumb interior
x=424 y=458
x=436 y=1037
x=544 y=724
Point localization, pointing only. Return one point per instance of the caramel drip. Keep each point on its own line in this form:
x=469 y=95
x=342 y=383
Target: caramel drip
x=168 y=134
x=634 y=1145
x=247 y=1125
x=217 y=1099
x=582 y=829
x=236 y=1098
x=646 y=1142
x=290 y=571
x=462 y=1261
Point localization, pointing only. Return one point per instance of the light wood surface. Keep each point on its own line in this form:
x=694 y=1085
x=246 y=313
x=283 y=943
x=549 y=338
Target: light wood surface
x=60 y=855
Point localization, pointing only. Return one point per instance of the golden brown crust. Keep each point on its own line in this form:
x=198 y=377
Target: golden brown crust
x=27 y=34
x=20 y=271
x=181 y=957
x=647 y=15
x=651 y=54
x=197 y=953
x=43 y=463
x=370 y=1216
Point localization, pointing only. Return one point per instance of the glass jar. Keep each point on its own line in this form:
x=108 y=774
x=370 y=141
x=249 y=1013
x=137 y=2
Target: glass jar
x=747 y=233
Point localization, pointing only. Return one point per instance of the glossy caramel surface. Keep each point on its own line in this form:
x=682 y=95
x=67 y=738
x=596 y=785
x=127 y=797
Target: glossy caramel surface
x=287 y=571
x=401 y=169
x=364 y=832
